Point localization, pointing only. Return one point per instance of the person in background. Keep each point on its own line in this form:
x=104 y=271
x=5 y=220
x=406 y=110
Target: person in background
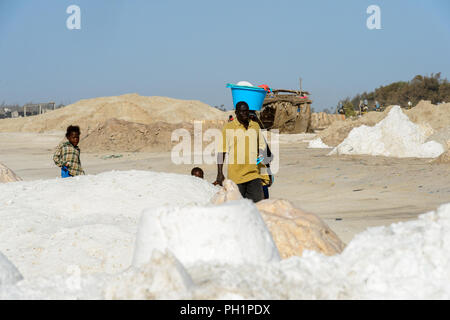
x=244 y=173
x=230 y=118
x=340 y=108
x=197 y=172
x=254 y=117
x=67 y=154
x=409 y=105
x=365 y=107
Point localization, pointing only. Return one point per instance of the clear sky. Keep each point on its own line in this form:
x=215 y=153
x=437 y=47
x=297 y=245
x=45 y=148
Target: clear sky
x=192 y=49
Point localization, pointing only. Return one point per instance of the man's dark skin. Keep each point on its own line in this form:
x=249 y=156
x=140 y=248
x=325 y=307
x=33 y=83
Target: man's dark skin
x=242 y=115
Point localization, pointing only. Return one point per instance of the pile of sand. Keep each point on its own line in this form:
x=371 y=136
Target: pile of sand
x=126 y=136
x=437 y=116
x=429 y=117
x=442 y=136
x=89 y=113
x=322 y=120
x=443 y=158
x=7 y=175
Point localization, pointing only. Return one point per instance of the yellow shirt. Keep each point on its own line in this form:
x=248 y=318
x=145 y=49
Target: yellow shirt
x=243 y=147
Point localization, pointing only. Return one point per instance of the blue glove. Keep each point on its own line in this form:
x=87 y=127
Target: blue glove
x=65 y=172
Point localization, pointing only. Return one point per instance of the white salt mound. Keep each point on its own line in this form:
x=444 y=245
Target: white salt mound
x=293 y=230
x=232 y=232
x=45 y=232
x=89 y=221
x=394 y=136
x=8 y=272
x=162 y=277
x=409 y=259
x=317 y=144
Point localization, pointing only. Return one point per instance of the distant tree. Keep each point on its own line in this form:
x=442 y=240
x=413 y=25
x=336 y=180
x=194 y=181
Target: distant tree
x=326 y=110
x=349 y=109
x=419 y=88
x=444 y=91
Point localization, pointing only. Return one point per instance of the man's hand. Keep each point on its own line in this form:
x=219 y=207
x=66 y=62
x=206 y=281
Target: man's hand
x=220 y=176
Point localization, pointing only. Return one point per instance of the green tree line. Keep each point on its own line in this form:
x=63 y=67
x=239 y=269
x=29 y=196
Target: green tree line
x=401 y=92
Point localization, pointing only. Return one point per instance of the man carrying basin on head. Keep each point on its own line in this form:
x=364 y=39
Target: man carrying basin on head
x=243 y=142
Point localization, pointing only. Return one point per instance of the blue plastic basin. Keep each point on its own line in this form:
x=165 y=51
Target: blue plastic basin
x=254 y=96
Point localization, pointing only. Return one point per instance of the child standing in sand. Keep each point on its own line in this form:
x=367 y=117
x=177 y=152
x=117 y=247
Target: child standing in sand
x=67 y=154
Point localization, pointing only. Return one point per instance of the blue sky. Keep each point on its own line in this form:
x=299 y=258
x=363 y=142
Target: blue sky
x=192 y=49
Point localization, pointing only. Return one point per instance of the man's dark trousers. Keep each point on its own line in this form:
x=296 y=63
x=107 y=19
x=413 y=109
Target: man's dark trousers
x=252 y=190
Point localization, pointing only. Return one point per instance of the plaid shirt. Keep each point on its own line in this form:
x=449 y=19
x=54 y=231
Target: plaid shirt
x=68 y=155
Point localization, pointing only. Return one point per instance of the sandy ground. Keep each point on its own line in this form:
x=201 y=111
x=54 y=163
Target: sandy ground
x=350 y=193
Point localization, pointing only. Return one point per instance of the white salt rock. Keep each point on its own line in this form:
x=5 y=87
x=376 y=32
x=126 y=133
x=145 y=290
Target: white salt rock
x=8 y=271
x=229 y=192
x=233 y=232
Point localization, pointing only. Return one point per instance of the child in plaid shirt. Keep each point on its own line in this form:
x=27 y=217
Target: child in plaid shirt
x=67 y=154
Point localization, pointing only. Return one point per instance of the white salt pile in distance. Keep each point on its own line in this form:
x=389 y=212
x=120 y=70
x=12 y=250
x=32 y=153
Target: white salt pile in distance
x=394 y=136
x=75 y=239
x=317 y=143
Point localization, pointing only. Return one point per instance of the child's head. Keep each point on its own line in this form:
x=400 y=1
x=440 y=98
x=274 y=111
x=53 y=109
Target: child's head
x=198 y=172
x=73 y=135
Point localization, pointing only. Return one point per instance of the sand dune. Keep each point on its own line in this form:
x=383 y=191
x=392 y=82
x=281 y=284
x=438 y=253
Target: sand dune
x=89 y=113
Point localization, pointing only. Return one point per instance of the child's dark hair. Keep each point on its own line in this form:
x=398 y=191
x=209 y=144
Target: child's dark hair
x=196 y=169
x=71 y=129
